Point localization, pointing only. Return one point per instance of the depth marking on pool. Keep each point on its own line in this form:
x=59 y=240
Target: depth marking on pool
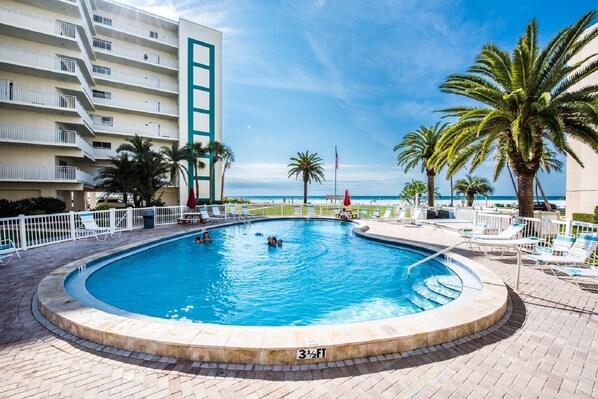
x=313 y=353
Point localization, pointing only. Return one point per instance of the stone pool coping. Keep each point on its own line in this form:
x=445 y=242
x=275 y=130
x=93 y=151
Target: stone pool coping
x=466 y=315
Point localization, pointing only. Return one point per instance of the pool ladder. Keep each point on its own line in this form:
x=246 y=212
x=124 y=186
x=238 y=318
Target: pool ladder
x=445 y=250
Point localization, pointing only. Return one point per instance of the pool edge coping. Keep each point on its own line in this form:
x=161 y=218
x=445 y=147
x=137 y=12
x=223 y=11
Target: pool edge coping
x=273 y=345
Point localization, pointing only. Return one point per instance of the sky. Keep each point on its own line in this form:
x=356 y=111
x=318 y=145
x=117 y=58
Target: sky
x=311 y=75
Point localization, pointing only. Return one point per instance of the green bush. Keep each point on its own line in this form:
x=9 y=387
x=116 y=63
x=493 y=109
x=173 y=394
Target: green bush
x=583 y=217
x=31 y=206
x=596 y=215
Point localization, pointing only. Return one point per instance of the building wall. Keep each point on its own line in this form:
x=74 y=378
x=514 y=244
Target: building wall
x=133 y=80
x=582 y=184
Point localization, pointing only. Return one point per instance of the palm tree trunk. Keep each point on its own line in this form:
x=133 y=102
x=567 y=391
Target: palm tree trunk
x=539 y=186
x=525 y=195
x=431 y=174
x=222 y=183
x=305 y=191
x=195 y=178
x=470 y=198
x=211 y=181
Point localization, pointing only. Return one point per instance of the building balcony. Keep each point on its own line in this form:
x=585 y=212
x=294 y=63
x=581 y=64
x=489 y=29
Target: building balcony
x=104 y=153
x=151 y=130
x=152 y=107
x=148 y=37
x=51 y=66
x=36 y=136
x=139 y=59
x=18 y=98
x=145 y=84
x=47 y=174
x=45 y=30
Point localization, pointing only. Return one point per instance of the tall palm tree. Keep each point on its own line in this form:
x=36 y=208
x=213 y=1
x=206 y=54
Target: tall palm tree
x=118 y=178
x=471 y=186
x=419 y=146
x=174 y=156
x=309 y=166
x=228 y=157
x=217 y=150
x=197 y=150
x=528 y=98
x=413 y=191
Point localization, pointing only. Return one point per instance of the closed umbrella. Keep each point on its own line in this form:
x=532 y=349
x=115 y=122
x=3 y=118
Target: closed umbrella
x=191 y=204
x=347 y=200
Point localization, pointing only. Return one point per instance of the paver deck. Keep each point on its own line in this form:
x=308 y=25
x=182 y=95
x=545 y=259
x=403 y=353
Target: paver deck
x=546 y=347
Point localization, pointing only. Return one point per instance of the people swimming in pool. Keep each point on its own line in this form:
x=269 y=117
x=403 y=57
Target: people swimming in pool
x=344 y=215
x=198 y=240
x=272 y=241
x=206 y=238
x=279 y=242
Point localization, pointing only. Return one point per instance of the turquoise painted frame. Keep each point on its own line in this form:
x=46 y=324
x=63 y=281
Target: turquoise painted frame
x=191 y=110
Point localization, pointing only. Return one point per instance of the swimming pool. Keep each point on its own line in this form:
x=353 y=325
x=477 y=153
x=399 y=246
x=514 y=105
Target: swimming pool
x=482 y=303
x=321 y=274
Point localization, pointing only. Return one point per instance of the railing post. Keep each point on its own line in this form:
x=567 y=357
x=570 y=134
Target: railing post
x=22 y=232
x=155 y=215
x=72 y=226
x=569 y=226
x=112 y=220
x=129 y=218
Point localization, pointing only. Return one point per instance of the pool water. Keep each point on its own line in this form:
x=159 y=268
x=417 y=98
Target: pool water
x=322 y=274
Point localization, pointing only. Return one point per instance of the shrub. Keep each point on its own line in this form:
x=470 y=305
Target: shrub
x=103 y=207
x=596 y=215
x=584 y=217
x=31 y=206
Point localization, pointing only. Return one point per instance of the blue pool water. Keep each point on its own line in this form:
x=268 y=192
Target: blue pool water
x=322 y=274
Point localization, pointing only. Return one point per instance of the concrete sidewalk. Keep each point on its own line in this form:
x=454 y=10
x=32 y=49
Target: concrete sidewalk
x=546 y=347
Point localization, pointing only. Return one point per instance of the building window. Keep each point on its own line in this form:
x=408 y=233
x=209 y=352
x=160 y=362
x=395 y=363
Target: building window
x=103 y=44
x=102 y=94
x=153 y=34
x=102 y=144
x=102 y=120
x=102 y=69
x=102 y=20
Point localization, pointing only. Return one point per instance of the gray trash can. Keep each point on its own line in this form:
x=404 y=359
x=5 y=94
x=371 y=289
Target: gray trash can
x=148 y=218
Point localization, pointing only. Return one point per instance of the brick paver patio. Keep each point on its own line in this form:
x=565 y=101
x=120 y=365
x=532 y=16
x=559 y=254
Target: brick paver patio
x=546 y=346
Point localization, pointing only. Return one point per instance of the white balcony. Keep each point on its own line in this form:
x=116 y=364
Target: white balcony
x=51 y=173
x=157 y=34
x=104 y=153
x=124 y=79
x=143 y=106
x=58 y=137
x=38 y=29
x=44 y=64
x=47 y=102
x=140 y=58
x=149 y=130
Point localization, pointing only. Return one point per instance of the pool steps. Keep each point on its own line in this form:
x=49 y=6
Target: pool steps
x=432 y=293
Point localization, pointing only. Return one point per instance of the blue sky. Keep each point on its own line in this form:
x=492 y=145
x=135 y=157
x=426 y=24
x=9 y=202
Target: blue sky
x=309 y=75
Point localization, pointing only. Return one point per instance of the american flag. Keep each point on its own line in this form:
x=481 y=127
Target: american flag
x=336 y=158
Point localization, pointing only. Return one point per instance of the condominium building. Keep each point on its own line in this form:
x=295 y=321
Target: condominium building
x=582 y=184
x=79 y=77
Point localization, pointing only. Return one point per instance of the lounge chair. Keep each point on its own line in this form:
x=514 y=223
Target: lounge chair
x=477 y=230
x=375 y=214
x=231 y=211
x=245 y=211
x=415 y=216
x=507 y=234
x=90 y=227
x=205 y=216
x=297 y=211
x=387 y=214
x=401 y=215
x=560 y=245
x=311 y=210
x=584 y=246
x=363 y=213
x=7 y=250
x=216 y=212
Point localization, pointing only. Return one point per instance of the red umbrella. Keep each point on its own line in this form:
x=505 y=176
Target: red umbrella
x=191 y=201
x=347 y=200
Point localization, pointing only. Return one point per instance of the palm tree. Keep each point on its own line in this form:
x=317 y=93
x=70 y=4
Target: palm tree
x=228 y=157
x=197 y=150
x=309 y=166
x=118 y=178
x=173 y=156
x=528 y=98
x=217 y=150
x=420 y=146
x=413 y=191
x=472 y=186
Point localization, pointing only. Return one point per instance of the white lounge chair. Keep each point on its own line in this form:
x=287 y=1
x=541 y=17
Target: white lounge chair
x=231 y=211
x=7 y=250
x=311 y=210
x=560 y=245
x=415 y=216
x=297 y=211
x=216 y=212
x=90 y=228
x=584 y=246
x=363 y=213
x=245 y=211
x=477 y=230
x=387 y=214
x=204 y=215
x=375 y=214
x=401 y=215
x=507 y=234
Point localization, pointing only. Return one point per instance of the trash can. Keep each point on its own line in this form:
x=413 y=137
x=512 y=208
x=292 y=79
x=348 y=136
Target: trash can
x=148 y=218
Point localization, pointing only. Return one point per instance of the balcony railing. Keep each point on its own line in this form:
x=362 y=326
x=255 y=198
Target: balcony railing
x=152 y=130
x=46 y=61
x=10 y=172
x=104 y=153
x=26 y=134
x=141 y=32
x=146 y=106
x=127 y=52
x=137 y=80
x=54 y=100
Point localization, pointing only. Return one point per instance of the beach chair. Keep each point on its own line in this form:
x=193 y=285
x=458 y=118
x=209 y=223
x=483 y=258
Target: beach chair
x=560 y=245
x=311 y=210
x=387 y=213
x=477 y=230
x=507 y=234
x=205 y=216
x=245 y=211
x=401 y=215
x=415 y=216
x=216 y=212
x=231 y=211
x=375 y=214
x=363 y=213
x=580 y=251
x=7 y=250
x=90 y=227
x=297 y=211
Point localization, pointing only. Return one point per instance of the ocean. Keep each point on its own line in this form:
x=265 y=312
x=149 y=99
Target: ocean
x=559 y=201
